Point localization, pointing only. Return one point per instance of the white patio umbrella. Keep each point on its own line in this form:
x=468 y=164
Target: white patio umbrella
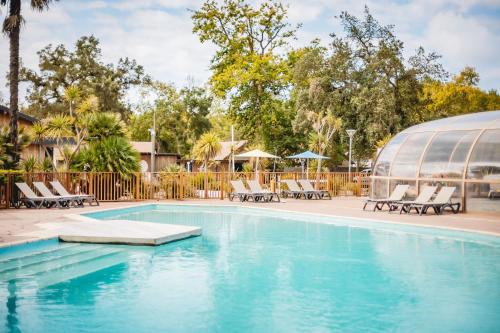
x=256 y=153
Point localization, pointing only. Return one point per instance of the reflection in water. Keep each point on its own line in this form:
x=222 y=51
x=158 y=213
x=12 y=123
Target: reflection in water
x=12 y=321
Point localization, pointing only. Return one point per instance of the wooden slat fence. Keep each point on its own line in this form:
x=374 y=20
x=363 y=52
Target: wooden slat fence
x=109 y=186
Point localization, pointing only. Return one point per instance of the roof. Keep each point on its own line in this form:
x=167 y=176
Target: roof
x=145 y=147
x=23 y=116
x=225 y=150
x=471 y=121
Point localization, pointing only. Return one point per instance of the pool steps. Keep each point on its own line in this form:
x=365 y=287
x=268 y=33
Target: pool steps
x=51 y=266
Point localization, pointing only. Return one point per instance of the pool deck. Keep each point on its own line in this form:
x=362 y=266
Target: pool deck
x=25 y=225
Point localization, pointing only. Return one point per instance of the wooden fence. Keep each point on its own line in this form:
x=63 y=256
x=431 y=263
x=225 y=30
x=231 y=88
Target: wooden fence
x=109 y=186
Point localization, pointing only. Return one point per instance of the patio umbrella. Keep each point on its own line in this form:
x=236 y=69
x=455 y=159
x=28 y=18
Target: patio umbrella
x=308 y=155
x=256 y=153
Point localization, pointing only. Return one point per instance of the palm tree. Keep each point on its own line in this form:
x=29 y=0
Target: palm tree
x=12 y=28
x=325 y=126
x=60 y=128
x=207 y=146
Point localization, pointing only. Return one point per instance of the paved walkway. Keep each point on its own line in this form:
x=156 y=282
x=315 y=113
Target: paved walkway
x=21 y=225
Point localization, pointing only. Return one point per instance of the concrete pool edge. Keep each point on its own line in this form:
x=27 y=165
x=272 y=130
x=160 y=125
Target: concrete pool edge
x=377 y=220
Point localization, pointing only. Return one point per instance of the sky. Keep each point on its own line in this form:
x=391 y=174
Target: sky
x=158 y=33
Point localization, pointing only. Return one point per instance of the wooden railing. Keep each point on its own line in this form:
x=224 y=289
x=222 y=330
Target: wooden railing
x=109 y=186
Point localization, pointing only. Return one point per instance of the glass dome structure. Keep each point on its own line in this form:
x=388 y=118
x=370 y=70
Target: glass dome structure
x=461 y=151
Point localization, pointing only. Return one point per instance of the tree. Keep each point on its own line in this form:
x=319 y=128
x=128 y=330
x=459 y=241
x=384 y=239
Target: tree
x=111 y=154
x=12 y=28
x=365 y=79
x=181 y=117
x=459 y=96
x=7 y=153
x=206 y=148
x=66 y=76
x=247 y=68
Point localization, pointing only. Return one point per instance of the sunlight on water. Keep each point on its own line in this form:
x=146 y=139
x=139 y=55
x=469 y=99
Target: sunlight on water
x=254 y=273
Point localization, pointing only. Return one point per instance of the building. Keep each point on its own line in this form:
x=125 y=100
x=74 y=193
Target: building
x=162 y=160
x=461 y=151
x=222 y=161
x=27 y=121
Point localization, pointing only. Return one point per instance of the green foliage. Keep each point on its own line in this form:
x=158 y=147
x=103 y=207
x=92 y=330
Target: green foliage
x=457 y=97
x=247 y=167
x=113 y=154
x=174 y=168
x=247 y=67
x=181 y=117
x=363 y=79
x=7 y=150
x=29 y=164
x=46 y=165
x=206 y=148
x=106 y=124
x=84 y=72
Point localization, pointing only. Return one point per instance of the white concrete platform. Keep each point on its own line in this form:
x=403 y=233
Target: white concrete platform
x=124 y=232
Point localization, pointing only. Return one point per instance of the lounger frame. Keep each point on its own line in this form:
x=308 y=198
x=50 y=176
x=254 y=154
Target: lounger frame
x=81 y=198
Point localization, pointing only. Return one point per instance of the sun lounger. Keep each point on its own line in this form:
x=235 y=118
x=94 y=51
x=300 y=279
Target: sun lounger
x=240 y=191
x=31 y=200
x=266 y=194
x=397 y=195
x=44 y=190
x=294 y=190
x=82 y=197
x=320 y=194
x=439 y=203
x=494 y=191
x=424 y=197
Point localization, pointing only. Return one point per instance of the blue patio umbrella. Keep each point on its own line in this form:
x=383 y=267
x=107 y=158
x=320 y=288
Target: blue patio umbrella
x=306 y=156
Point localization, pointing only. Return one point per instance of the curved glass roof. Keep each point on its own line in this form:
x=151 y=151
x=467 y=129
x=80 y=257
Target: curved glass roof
x=463 y=150
x=480 y=120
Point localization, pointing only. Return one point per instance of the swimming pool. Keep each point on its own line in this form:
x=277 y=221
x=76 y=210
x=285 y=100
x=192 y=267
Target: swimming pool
x=256 y=270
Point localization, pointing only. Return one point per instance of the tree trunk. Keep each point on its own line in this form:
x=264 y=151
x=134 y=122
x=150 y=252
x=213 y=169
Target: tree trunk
x=14 y=11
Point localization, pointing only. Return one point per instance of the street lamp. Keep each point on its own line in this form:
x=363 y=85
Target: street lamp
x=350 y=132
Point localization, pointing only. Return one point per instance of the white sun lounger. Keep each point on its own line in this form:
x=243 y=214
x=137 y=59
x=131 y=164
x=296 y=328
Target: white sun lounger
x=295 y=191
x=59 y=188
x=266 y=194
x=424 y=197
x=240 y=191
x=44 y=190
x=396 y=195
x=320 y=194
x=440 y=202
x=32 y=200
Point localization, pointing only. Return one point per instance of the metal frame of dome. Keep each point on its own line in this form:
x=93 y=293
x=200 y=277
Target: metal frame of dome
x=473 y=125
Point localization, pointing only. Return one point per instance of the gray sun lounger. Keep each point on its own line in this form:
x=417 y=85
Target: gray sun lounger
x=295 y=191
x=44 y=190
x=439 y=203
x=240 y=191
x=424 y=197
x=320 y=194
x=267 y=195
x=396 y=196
x=61 y=190
x=32 y=200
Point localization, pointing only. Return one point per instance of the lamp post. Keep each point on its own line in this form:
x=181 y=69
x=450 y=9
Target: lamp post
x=153 y=145
x=350 y=132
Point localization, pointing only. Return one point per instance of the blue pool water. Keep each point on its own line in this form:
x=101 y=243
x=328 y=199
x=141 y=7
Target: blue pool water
x=256 y=271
